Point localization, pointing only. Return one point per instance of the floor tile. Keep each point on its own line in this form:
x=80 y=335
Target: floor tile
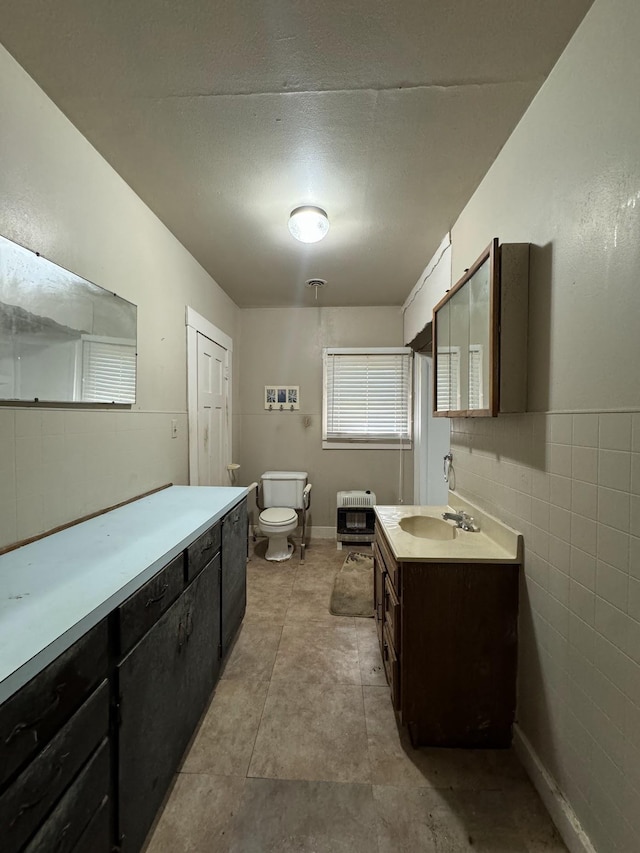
x=417 y=819
x=314 y=732
x=318 y=652
x=303 y=710
x=371 y=667
x=312 y=606
x=224 y=742
x=254 y=650
x=198 y=815
x=304 y=817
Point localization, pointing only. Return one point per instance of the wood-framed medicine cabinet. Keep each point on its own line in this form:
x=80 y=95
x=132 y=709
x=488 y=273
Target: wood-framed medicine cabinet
x=480 y=337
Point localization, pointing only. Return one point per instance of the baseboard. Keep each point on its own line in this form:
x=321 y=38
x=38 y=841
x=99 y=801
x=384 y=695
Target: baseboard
x=558 y=807
x=314 y=532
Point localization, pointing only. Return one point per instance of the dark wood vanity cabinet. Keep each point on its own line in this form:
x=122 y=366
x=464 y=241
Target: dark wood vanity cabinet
x=448 y=638
x=89 y=746
x=164 y=683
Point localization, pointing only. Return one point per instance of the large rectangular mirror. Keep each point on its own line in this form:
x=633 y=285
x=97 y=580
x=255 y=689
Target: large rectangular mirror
x=465 y=342
x=62 y=339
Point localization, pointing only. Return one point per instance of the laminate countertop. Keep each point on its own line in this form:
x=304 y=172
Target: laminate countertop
x=54 y=590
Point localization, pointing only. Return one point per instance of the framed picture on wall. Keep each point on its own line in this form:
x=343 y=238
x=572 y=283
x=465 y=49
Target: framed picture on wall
x=282 y=397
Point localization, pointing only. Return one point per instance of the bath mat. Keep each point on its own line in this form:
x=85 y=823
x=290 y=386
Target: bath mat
x=352 y=593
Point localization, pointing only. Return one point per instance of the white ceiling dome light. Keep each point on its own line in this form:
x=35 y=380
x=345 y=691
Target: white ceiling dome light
x=308 y=224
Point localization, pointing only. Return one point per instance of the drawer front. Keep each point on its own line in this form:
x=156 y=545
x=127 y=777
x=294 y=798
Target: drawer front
x=392 y=614
x=26 y=802
x=391 y=668
x=80 y=821
x=379 y=574
x=143 y=609
x=392 y=567
x=33 y=715
x=203 y=550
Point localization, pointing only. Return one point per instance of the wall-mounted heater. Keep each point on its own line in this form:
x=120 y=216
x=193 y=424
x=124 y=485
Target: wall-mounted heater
x=356 y=517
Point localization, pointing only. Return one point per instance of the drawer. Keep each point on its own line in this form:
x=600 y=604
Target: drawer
x=392 y=567
x=392 y=613
x=97 y=837
x=33 y=715
x=143 y=609
x=202 y=551
x=26 y=802
x=81 y=820
x=391 y=668
x=378 y=583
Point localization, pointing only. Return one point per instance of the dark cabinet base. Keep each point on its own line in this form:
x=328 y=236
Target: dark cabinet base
x=164 y=684
x=448 y=638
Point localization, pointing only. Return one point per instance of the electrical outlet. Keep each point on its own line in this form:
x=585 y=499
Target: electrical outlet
x=174 y=428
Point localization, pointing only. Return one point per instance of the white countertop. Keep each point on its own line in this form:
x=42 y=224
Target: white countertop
x=494 y=542
x=54 y=590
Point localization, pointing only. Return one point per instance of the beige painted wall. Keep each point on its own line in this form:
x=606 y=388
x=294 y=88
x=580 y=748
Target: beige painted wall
x=568 y=181
x=61 y=198
x=284 y=345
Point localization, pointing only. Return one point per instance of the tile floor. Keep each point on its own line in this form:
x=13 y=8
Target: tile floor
x=299 y=749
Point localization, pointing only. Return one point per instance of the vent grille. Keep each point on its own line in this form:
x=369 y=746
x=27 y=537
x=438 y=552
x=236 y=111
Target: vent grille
x=356 y=499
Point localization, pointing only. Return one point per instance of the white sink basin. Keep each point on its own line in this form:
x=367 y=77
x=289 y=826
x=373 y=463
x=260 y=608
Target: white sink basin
x=427 y=527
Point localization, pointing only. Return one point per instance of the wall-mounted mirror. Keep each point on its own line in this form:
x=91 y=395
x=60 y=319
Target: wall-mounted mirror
x=62 y=339
x=465 y=342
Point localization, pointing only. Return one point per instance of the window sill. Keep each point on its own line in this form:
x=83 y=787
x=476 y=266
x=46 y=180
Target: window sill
x=365 y=445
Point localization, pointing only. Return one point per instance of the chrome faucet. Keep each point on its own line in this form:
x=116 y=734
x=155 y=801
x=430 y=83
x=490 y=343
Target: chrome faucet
x=462 y=520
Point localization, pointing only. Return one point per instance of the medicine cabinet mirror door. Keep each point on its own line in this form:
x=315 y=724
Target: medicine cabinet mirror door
x=465 y=335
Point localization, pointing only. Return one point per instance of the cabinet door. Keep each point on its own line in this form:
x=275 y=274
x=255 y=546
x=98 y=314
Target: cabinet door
x=164 y=683
x=234 y=572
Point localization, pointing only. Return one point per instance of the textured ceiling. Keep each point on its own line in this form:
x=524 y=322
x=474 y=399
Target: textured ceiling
x=223 y=117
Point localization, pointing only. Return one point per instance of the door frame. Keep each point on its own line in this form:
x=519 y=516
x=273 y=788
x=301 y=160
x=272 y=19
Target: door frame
x=195 y=324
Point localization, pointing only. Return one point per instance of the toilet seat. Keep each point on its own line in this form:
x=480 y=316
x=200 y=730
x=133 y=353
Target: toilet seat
x=278 y=516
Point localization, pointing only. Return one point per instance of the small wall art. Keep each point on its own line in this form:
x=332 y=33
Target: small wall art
x=282 y=398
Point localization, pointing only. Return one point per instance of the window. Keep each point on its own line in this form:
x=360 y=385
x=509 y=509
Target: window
x=366 y=397
x=108 y=370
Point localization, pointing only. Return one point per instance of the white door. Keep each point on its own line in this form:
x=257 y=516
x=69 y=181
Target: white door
x=212 y=412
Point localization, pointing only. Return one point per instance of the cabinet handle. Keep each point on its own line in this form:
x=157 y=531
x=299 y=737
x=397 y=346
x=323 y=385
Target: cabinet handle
x=22 y=726
x=385 y=650
x=181 y=634
x=189 y=624
x=26 y=806
x=158 y=597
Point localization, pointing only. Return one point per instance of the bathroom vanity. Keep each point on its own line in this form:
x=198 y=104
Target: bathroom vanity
x=446 y=609
x=112 y=636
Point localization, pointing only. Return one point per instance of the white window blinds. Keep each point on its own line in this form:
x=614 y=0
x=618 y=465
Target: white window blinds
x=367 y=395
x=448 y=379
x=108 y=371
x=476 y=395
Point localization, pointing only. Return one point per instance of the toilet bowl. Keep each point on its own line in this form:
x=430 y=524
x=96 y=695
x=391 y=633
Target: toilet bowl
x=276 y=523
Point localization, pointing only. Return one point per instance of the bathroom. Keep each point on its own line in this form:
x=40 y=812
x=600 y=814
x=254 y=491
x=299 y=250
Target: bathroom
x=566 y=474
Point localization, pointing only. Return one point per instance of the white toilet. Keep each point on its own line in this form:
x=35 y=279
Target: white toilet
x=283 y=492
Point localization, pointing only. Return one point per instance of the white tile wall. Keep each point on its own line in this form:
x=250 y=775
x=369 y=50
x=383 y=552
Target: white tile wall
x=59 y=465
x=571 y=484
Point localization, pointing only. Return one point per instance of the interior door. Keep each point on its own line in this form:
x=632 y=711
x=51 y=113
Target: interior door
x=212 y=409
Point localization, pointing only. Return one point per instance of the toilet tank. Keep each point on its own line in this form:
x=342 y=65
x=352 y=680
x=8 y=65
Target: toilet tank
x=283 y=488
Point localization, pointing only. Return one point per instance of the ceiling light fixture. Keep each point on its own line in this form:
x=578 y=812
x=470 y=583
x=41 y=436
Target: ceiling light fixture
x=308 y=224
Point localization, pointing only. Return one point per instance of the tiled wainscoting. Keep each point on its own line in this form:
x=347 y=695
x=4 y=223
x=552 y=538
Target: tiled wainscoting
x=58 y=465
x=571 y=484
